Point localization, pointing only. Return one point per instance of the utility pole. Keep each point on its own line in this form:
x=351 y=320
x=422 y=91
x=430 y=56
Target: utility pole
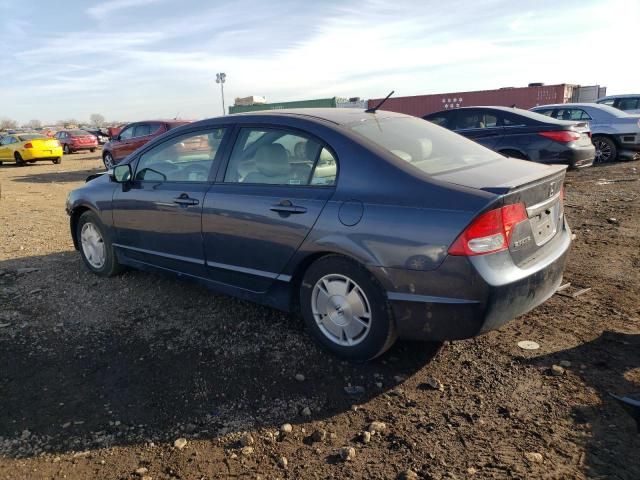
x=220 y=78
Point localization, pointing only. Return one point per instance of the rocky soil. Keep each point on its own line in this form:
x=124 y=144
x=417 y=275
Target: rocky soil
x=146 y=377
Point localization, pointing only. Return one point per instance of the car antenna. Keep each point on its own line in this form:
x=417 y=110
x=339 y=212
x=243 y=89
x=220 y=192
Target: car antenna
x=373 y=110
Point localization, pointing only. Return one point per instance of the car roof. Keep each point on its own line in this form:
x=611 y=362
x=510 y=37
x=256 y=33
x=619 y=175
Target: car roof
x=603 y=108
x=517 y=111
x=625 y=95
x=339 y=116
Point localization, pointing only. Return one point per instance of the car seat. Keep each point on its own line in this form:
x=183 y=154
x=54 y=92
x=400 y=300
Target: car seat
x=272 y=164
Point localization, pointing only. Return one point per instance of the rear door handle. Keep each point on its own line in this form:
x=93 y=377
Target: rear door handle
x=286 y=206
x=184 y=200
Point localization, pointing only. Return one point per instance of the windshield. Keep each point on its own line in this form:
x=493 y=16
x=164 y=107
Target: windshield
x=428 y=147
x=30 y=136
x=612 y=110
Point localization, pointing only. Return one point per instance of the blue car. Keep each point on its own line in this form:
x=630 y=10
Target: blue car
x=373 y=225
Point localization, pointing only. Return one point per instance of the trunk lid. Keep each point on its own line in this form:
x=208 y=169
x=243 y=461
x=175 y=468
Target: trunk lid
x=44 y=143
x=535 y=185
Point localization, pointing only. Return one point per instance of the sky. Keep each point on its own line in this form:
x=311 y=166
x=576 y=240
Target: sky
x=142 y=59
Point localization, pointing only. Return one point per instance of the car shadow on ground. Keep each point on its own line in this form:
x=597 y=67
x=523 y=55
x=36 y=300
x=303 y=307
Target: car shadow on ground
x=608 y=364
x=31 y=175
x=89 y=362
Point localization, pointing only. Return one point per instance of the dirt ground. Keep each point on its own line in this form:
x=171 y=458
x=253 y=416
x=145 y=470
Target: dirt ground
x=99 y=377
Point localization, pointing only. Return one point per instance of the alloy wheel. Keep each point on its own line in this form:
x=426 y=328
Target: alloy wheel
x=108 y=161
x=603 y=151
x=341 y=310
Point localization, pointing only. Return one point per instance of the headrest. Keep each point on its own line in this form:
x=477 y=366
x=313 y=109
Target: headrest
x=271 y=160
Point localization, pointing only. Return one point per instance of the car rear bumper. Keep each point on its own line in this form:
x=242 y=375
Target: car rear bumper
x=76 y=148
x=33 y=154
x=578 y=157
x=473 y=295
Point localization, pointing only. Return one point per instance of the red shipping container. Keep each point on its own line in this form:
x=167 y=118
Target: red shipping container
x=524 y=97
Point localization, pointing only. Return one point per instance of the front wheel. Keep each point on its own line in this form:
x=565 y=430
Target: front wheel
x=57 y=161
x=346 y=310
x=19 y=161
x=95 y=248
x=107 y=158
x=606 y=150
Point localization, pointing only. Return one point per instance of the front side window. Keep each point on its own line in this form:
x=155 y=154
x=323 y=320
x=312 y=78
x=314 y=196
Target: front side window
x=429 y=148
x=126 y=134
x=187 y=158
x=278 y=157
x=470 y=120
x=142 y=130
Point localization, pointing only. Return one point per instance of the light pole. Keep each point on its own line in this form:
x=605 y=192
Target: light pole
x=220 y=78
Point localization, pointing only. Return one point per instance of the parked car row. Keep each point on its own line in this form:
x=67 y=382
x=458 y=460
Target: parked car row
x=575 y=134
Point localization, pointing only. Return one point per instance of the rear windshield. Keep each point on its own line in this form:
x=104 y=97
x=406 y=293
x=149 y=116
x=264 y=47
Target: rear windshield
x=30 y=136
x=427 y=147
x=78 y=132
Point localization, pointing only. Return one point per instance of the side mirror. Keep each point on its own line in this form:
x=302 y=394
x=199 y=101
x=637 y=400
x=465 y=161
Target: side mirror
x=122 y=173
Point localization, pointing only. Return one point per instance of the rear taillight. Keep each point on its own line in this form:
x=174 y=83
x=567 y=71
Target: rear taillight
x=562 y=136
x=490 y=232
x=28 y=145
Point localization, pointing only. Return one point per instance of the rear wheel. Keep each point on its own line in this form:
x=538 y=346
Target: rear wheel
x=346 y=309
x=107 y=159
x=32 y=161
x=92 y=150
x=19 y=160
x=606 y=150
x=57 y=161
x=95 y=248
x=66 y=149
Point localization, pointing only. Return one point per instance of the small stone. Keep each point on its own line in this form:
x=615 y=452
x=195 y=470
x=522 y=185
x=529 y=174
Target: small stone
x=354 y=390
x=283 y=462
x=319 y=435
x=66 y=425
x=534 y=457
x=365 y=436
x=408 y=475
x=56 y=459
x=377 y=427
x=146 y=477
x=433 y=383
x=333 y=436
x=347 y=453
x=557 y=370
x=246 y=440
x=471 y=471
x=300 y=377
x=233 y=456
x=180 y=443
x=306 y=412
x=528 y=345
x=286 y=428
x=141 y=471
x=565 y=363
x=613 y=221
x=246 y=451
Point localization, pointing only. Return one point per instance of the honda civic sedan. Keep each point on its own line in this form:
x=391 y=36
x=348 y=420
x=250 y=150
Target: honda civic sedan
x=373 y=225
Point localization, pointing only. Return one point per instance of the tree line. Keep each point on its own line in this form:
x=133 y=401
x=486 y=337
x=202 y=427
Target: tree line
x=95 y=120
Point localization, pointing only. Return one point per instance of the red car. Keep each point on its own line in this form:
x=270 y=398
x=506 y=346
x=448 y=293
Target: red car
x=76 y=140
x=132 y=137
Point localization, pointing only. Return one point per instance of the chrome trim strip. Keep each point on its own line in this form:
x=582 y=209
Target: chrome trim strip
x=160 y=254
x=534 y=209
x=249 y=271
x=413 y=297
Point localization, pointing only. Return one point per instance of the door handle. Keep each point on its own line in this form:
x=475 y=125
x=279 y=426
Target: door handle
x=286 y=206
x=184 y=200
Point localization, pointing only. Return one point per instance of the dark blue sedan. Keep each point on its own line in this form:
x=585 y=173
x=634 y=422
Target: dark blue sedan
x=373 y=225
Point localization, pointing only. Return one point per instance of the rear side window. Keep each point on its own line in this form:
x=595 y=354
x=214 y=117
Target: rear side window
x=572 y=114
x=630 y=103
x=608 y=101
x=425 y=146
x=441 y=120
x=547 y=111
x=278 y=157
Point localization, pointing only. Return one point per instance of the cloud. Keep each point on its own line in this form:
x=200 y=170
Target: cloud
x=103 y=9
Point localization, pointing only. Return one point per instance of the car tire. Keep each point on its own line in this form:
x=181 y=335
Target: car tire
x=32 y=161
x=92 y=150
x=57 y=161
x=107 y=159
x=95 y=247
x=606 y=149
x=66 y=149
x=334 y=289
x=19 y=161
x=0 y=164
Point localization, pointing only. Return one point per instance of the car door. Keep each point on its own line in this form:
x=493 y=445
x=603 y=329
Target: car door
x=122 y=145
x=276 y=183
x=157 y=215
x=5 y=148
x=479 y=125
